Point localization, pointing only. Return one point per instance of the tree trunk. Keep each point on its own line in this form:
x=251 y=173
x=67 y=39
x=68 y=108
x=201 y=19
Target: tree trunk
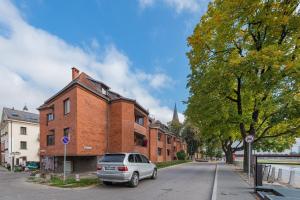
x=229 y=157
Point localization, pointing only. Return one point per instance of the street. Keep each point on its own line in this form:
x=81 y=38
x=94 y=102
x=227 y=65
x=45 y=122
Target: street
x=188 y=181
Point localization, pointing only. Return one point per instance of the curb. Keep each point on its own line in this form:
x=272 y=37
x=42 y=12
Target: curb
x=214 y=192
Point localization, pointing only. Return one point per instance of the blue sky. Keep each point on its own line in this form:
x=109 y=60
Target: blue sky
x=144 y=40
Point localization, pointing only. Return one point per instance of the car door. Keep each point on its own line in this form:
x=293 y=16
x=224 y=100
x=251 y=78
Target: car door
x=147 y=165
x=141 y=167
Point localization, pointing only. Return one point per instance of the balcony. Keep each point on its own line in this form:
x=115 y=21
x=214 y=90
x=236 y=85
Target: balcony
x=140 y=129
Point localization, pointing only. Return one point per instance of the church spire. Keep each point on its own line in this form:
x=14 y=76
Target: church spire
x=175 y=115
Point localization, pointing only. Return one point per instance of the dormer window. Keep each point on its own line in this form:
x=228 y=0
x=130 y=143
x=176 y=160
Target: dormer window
x=104 y=91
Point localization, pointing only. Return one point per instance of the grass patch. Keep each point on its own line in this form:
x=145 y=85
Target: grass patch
x=71 y=182
x=170 y=163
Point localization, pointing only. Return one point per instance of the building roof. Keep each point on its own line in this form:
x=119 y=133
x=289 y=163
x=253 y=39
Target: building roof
x=12 y=114
x=95 y=87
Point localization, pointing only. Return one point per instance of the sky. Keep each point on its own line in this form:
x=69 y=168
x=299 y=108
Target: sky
x=137 y=47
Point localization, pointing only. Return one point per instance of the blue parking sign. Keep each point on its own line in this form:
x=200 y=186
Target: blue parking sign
x=65 y=140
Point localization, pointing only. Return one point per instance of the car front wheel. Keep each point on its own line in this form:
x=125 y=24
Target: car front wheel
x=154 y=174
x=134 y=181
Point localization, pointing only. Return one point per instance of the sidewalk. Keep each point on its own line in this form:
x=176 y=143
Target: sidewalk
x=2 y=169
x=230 y=185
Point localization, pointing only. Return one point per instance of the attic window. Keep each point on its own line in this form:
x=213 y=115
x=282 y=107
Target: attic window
x=15 y=115
x=104 y=91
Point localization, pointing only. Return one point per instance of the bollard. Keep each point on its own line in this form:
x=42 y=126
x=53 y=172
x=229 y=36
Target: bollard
x=292 y=178
x=272 y=177
x=279 y=177
x=77 y=177
x=258 y=175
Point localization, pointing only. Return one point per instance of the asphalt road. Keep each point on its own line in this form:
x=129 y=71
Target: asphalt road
x=188 y=181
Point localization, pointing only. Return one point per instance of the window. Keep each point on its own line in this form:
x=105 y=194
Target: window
x=139 y=117
x=159 y=136
x=103 y=91
x=66 y=106
x=23 y=130
x=138 y=158
x=113 y=158
x=131 y=158
x=168 y=152
x=67 y=132
x=51 y=138
x=144 y=159
x=139 y=120
x=169 y=140
x=50 y=117
x=140 y=140
x=23 y=145
x=159 y=151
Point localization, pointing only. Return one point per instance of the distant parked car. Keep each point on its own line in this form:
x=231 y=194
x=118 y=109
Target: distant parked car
x=125 y=168
x=32 y=166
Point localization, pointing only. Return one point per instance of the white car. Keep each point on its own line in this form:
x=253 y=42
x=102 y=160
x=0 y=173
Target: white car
x=125 y=168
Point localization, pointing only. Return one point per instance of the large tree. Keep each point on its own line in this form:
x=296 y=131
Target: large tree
x=244 y=78
x=192 y=137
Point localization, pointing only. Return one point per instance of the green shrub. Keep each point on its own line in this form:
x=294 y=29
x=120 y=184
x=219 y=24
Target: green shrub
x=181 y=155
x=170 y=163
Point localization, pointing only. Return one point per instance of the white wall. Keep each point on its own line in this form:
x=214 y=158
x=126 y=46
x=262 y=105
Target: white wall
x=13 y=141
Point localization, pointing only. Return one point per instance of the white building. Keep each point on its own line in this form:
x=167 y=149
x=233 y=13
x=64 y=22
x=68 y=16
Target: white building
x=19 y=137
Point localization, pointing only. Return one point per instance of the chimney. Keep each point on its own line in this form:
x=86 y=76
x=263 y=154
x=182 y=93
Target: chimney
x=75 y=73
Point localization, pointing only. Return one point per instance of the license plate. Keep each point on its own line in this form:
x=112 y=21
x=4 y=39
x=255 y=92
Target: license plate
x=109 y=168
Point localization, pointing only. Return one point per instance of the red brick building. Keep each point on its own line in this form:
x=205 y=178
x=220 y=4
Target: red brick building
x=98 y=120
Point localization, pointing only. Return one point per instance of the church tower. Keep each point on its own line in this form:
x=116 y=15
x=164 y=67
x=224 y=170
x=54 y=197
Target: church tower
x=175 y=115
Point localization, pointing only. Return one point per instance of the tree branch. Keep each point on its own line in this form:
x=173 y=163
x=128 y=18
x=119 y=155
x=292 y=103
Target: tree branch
x=232 y=99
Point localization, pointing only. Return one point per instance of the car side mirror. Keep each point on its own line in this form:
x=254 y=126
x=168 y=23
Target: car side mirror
x=150 y=161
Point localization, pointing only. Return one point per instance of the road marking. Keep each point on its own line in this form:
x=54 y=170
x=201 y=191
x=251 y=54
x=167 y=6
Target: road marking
x=214 y=192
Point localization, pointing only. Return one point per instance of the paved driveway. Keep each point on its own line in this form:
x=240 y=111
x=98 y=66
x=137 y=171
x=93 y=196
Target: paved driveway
x=188 y=182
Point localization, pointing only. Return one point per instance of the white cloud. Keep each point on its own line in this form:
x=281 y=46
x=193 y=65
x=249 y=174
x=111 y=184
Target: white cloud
x=157 y=80
x=35 y=64
x=145 y=3
x=178 y=5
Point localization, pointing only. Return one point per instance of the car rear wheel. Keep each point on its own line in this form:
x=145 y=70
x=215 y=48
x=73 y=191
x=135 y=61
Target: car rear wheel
x=107 y=183
x=134 y=181
x=154 y=174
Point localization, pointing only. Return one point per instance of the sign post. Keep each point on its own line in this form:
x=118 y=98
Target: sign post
x=249 y=139
x=65 y=140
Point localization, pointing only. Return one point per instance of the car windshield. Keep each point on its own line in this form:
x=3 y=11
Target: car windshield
x=113 y=158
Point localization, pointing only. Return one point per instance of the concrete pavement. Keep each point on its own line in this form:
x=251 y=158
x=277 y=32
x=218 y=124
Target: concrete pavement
x=231 y=186
x=191 y=181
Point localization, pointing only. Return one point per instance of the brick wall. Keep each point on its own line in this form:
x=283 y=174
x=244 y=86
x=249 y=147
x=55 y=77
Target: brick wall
x=60 y=122
x=91 y=123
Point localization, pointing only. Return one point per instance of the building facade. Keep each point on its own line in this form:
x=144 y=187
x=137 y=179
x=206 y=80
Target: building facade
x=19 y=137
x=97 y=121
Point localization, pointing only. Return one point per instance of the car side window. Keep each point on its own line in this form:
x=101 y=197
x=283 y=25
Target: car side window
x=145 y=159
x=138 y=158
x=131 y=158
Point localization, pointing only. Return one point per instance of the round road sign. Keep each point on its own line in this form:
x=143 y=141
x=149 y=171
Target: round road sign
x=65 y=140
x=249 y=138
